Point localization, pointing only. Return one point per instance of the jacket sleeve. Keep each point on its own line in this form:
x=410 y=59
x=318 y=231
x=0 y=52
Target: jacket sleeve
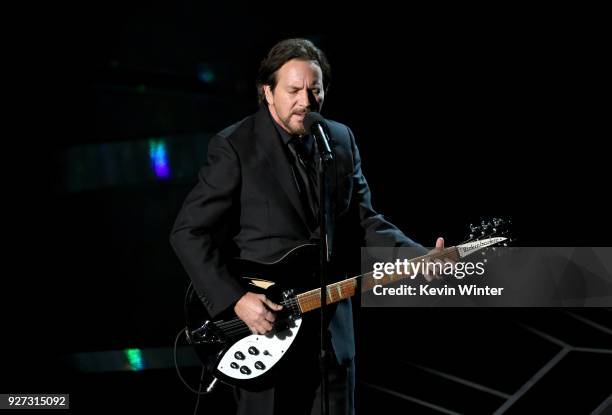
x=202 y=213
x=378 y=231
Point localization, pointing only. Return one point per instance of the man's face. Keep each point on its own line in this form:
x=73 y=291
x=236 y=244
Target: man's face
x=299 y=90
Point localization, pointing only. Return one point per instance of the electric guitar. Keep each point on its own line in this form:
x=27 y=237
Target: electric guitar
x=232 y=353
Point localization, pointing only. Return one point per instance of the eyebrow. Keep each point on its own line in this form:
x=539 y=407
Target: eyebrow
x=315 y=85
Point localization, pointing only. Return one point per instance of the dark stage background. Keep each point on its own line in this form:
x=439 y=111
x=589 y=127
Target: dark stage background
x=458 y=113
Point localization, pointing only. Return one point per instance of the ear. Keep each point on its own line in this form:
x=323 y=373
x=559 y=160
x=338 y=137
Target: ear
x=269 y=95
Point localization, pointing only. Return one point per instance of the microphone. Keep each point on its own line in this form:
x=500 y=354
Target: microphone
x=313 y=124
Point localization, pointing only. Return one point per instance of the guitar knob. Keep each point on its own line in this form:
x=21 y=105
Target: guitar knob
x=239 y=355
x=259 y=365
x=245 y=370
x=234 y=365
x=253 y=351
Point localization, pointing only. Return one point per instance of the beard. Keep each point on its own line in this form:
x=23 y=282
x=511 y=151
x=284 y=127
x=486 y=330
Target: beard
x=293 y=124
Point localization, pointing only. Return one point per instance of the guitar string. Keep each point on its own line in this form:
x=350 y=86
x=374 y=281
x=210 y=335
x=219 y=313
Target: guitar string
x=316 y=294
x=236 y=325
x=446 y=252
x=290 y=304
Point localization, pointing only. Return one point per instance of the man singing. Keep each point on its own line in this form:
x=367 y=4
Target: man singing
x=259 y=184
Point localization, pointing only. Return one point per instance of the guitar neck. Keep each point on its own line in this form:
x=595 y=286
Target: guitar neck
x=311 y=300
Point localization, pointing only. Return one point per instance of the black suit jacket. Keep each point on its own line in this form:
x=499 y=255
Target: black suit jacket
x=246 y=204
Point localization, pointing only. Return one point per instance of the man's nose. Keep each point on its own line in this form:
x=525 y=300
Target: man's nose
x=304 y=98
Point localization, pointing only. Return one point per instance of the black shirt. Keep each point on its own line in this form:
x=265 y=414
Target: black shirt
x=300 y=152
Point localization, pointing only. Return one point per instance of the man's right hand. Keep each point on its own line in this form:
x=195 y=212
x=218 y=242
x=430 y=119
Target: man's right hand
x=257 y=312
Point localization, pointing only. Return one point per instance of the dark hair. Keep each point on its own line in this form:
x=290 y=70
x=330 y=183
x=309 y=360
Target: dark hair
x=283 y=52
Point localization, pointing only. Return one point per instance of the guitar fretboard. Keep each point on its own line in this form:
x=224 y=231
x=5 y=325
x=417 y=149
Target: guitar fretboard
x=311 y=300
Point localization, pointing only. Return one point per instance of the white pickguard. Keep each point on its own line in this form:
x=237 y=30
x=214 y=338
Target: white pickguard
x=270 y=349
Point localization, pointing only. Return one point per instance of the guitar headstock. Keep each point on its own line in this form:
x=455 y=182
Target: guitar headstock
x=490 y=228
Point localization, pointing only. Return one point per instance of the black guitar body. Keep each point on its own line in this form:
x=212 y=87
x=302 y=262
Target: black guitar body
x=280 y=280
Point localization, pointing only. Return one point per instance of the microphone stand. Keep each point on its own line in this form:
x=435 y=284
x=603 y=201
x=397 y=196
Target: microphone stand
x=325 y=159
